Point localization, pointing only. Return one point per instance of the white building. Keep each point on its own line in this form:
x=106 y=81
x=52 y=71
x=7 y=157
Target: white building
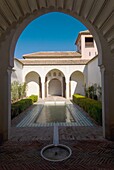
x=60 y=73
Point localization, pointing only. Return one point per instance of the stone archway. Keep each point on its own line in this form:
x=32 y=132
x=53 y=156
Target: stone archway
x=98 y=16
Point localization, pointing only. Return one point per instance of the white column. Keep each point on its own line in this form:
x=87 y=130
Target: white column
x=67 y=89
x=43 y=90
x=62 y=87
x=47 y=88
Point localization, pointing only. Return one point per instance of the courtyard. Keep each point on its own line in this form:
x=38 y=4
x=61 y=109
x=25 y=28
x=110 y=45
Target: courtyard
x=92 y=146
x=89 y=149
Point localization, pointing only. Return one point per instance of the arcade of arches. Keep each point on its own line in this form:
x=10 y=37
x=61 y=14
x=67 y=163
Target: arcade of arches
x=97 y=16
x=55 y=84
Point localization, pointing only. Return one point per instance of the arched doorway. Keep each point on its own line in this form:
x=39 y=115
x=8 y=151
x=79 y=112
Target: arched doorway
x=77 y=83
x=55 y=88
x=33 y=82
x=55 y=83
x=98 y=16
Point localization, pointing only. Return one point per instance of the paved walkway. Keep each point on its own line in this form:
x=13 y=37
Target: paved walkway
x=90 y=151
x=86 y=155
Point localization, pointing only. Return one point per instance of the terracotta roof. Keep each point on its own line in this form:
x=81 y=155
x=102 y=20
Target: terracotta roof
x=54 y=54
x=54 y=62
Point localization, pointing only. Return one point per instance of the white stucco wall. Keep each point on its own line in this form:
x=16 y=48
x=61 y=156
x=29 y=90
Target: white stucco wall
x=93 y=74
x=17 y=71
x=32 y=80
x=77 y=83
x=55 y=87
x=67 y=70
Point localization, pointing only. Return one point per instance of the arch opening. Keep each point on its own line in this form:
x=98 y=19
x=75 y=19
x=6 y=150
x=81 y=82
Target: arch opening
x=77 y=83
x=55 y=83
x=55 y=88
x=33 y=82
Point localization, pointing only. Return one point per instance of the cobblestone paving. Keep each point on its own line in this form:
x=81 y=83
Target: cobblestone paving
x=86 y=155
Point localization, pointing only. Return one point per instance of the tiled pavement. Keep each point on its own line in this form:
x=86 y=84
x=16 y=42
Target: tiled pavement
x=80 y=118
x=90 y=151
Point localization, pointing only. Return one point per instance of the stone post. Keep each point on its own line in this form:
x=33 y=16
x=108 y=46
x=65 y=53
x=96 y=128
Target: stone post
x=43 y=89
x=107 y=78
x=67 y=89
x=5 y=103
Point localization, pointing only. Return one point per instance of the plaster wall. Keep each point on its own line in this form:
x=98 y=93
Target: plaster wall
x=77 y=83
x=93 y=73
x=32 y=80
x=67 y=70
x=55 y=87
x=16 y=74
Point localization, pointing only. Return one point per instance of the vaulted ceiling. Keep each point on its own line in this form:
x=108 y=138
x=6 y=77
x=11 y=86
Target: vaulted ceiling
x=99 y=13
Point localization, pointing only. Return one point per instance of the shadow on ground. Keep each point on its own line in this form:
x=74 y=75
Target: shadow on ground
x=87 y=155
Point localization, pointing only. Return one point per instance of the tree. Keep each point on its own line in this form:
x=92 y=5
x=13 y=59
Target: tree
x=18 y=91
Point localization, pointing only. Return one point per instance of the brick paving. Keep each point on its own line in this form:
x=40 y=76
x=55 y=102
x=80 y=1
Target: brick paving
x=86 y=155
x=90 y=151
x=65 y=133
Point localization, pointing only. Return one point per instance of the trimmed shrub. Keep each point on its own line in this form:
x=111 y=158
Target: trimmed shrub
x=93 y=107
x=34 y=98
x=20 y=106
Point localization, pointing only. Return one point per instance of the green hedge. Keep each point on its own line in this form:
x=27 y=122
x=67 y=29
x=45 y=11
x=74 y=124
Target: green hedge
x=93 y=107
x=34 y=98
x=20 y=106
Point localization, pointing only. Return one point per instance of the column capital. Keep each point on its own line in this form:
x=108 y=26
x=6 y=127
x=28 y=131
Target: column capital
x=5 y=70
x=102 y=68
x=67 y=80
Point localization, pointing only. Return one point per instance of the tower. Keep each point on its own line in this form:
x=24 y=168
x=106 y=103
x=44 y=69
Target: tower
x=86 y=45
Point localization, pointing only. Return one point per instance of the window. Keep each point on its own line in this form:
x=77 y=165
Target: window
x=89 y=42
x=89 y=53
x=59 y=74
x=54 y=74
x=49 y=74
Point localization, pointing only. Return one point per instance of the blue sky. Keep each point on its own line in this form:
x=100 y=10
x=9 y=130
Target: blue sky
x=50 y=32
